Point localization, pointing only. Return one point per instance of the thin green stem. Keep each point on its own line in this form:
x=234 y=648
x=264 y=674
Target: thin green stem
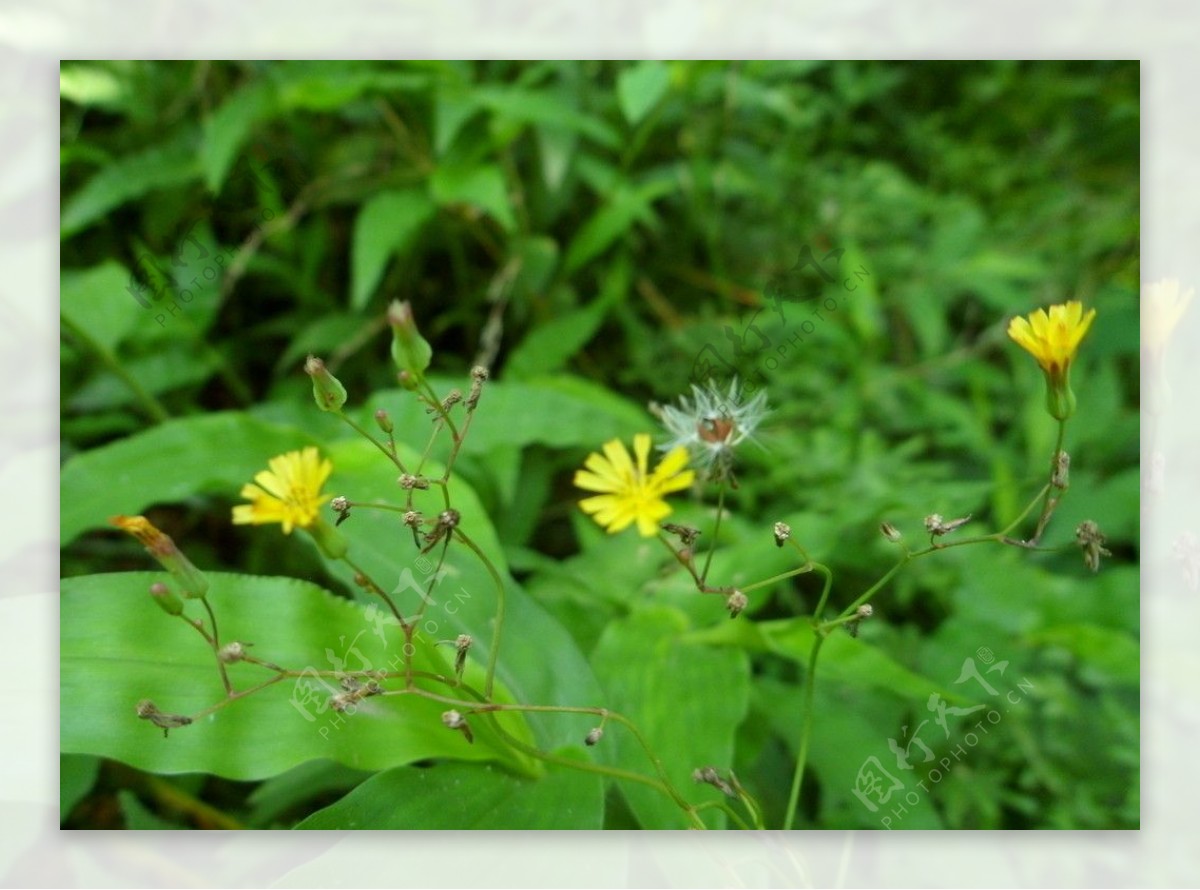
x=216 y=645
x=716 y=531
x=494 y=653
x=376 y=589
x=390 y=455
x=805 y=731
x=152 y=406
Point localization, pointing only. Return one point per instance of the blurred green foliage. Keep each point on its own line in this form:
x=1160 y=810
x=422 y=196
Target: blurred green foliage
x=588 y=230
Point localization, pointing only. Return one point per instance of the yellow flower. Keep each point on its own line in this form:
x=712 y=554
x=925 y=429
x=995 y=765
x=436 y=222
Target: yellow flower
x=289 y=492
x=629 y=493
x=1053 y=339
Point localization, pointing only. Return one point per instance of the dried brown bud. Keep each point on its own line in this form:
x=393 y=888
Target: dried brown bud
x=937 y=526
x=1061 y=477
x=478 y=375
x=594 y=735
x=1091 y=540
x=232 y=652
x=890 y=532
x=455 y=720
x=736 y=603
x=783 y=531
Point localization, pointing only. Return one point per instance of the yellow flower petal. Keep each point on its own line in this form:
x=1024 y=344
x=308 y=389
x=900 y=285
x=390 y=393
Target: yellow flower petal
x=1053 y=338
x=629 y=492
x=287 y=492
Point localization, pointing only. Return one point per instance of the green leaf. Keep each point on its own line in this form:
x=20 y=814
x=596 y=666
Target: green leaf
x=538 y=661
x=608 y=224
x=117 y=649
x=558 y=411
x=483 y=188
x=226 y=129
x=161 y=166
x=140 y=818
x=97 y=302
x=387 y=224
x=686 y=699
x=465 y=796
x=318 y=87
x=91 y=85
x=280 y=795
x=171 y=462
x=546 y=110
x=1107 y=656
x=548 y=347
x=76 y=776
x=641 y=87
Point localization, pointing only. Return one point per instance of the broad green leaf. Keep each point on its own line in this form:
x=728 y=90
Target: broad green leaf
x=118 y=649
x=226 y=129
x=483 y=188
x=641 y=87
x=686 y=699
x=546 y=110
x=1106 y=655
x=330 y=90
x=842 y=658
x=387 y=224
x=559 y=412
x=550 y=345
x=158 y=372
x=171 y=462
x=452 y=109
x=161 y=166
x=289 y=792
x=538 y=661
x=97 y=303
x=462 y=796
x=608 y=224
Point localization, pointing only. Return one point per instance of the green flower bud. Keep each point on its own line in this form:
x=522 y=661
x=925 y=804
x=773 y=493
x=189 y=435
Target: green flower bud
x=167 y=601
x=328 y=538
x=328 y=392
x=410 y=351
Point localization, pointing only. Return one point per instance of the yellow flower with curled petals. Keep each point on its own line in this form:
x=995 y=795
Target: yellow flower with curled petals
x=628 y=491
x=1053 y=338
x=288 y=492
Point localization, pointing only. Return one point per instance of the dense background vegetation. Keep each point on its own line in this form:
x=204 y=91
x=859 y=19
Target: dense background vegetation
x=587 y=230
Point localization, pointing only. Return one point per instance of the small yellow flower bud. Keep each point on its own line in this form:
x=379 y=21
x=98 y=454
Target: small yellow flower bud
x=191 y=580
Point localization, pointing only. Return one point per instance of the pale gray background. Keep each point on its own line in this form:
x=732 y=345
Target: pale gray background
x=34 y=36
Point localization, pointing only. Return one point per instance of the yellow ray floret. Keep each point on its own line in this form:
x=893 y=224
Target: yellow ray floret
x=289 y=492
x=628 y=492
x=1053 y=338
